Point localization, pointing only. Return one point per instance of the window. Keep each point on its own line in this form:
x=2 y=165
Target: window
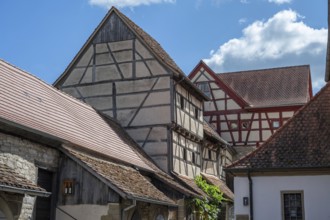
x=233 y=125
x=205 y=88
x=185 y=154
x=68 y=187
x=275 y=124
x=196 y=113
x=292 y=205
x=181 y=102
x=209 y=154
x=245 y=125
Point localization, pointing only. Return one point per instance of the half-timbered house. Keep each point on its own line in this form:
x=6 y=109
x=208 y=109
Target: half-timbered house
x=124 y=73
x=288 y=176
x=247 y=107
x=61 y=159
x=127 y=149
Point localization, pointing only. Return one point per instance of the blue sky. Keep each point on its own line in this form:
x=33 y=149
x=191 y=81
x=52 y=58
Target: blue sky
x=42 y=37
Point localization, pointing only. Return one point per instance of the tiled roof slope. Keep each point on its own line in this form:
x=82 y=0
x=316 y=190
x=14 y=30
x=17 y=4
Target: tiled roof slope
x=12 y=181
x=303 y=142
x=127 y=179
x=35 y=105
x=209 y=131
x=219 y=183
x=271 y=87
x=151 y=42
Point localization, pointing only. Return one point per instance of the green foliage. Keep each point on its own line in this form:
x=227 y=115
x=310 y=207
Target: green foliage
x=208 y=208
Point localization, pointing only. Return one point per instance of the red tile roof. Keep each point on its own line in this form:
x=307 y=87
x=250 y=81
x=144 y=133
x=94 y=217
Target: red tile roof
x=128 y=180
x=11 y=181
x=37 y=106
x=228 y=194
x=284 y=86
x=303 y=142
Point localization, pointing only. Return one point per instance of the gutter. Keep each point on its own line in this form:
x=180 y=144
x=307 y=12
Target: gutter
x=24 y=191
x=250 y=194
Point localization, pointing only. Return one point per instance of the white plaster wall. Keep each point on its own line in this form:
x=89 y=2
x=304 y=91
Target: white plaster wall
x=267 y=195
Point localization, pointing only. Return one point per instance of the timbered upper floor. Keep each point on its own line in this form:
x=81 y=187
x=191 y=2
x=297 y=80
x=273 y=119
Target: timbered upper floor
x=247 y=107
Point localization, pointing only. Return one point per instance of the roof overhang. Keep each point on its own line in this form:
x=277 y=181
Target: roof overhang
x=24 y=191
x=280 y=171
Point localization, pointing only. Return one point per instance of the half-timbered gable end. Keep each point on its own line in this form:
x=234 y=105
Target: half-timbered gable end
x=60 y=159
x=296 y=158
x=247 y=107
x=124 y=73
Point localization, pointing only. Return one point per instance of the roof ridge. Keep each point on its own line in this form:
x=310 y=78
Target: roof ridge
x=278 y=132
x=263 y=69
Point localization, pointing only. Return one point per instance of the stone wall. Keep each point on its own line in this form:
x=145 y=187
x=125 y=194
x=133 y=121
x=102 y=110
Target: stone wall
x=24 y=156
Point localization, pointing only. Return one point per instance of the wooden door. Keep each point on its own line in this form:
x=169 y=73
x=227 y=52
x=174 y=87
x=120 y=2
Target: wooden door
x=43 y=204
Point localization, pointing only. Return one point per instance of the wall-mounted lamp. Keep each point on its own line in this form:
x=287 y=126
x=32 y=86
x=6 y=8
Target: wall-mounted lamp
x=245 y=201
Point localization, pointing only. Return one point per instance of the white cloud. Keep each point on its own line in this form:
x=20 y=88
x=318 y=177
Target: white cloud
x=279 y=2
x=127 y=3
x=282 y=40
x=242 y=20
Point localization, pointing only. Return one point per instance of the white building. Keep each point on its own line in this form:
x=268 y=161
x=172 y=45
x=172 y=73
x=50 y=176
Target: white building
x=288 y=177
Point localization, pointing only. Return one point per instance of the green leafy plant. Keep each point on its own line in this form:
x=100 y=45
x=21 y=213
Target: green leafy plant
x=208 y=207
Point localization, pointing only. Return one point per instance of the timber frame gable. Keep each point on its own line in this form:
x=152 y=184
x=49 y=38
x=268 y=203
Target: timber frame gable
x=210 y=76
x=235 y=110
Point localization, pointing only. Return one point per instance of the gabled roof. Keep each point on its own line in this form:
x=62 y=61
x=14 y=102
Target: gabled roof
x=11 y=181
x=302 y=143
x=210 y=132
x=230 y=91
x=228 y=194
x=190 y=183
x=283 y=86
x=128 y=182
x=33 y=105
x=154 y=47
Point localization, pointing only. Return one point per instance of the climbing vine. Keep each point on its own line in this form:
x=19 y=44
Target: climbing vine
x=208 y=208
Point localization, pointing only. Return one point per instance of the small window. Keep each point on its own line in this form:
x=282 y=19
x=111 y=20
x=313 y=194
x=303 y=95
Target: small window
x=68 y=187
x=205 y=88
x=181 y=102
x=185 y=154
x=245 y=125
x=233 y=125
x=292 y=204
x=209 y=154
x=193 y=157
x=275 y=124
x=196 y=113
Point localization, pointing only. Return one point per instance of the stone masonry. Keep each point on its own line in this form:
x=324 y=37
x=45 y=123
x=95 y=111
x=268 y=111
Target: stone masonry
x=23 y=155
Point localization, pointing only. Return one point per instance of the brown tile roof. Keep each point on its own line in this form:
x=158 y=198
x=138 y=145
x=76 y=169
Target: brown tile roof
x=32 y=104
x=11 y=181
x=271 y=87
x=219 y=183
x=303 y=142
x=189 y=182
x=150 y=42
x=128 y=180
x=209 y=131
